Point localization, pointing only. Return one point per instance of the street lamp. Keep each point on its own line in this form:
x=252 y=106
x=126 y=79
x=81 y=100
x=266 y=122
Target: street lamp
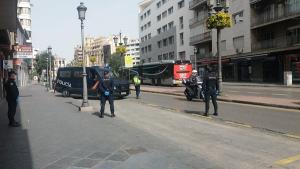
x=47 y=75
x=218 y=8
x=50 y=66
x=81 y=16
x=195 y=55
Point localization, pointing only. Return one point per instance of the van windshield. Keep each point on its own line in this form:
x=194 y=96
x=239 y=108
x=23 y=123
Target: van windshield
x=101 y=72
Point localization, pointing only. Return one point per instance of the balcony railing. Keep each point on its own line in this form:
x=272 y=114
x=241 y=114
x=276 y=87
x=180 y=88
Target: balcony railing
x=199 y=20
x=204 y=37
x=195 y=3
x=277 y=43
x=277 y=15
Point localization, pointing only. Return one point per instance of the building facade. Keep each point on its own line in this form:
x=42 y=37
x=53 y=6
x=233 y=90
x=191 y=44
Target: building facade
x=58 y=63
x=24 y=15
x=164 y=30
x=94 y=49
x=133 y=49
x=78 y=57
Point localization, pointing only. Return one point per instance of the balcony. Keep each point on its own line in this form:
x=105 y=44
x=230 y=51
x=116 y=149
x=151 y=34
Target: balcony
x=279 y=15
x=194 y=22
x=196 y=3
x=279 y=43
x=202 y=38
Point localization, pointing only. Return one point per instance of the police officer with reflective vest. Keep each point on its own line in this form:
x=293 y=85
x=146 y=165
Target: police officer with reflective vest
x=211 y=90
x=137 y=85
x=12 y=95
x=106 y=87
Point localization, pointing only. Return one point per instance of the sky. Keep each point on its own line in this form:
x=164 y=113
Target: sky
x=56 y=22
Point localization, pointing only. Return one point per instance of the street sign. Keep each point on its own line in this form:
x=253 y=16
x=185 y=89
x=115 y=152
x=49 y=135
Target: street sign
x=128 y=61
x=24 y=52
x=8 y=64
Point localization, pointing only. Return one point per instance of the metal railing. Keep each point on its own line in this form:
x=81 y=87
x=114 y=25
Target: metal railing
x=278 y=14
x=277 y=43
x=201 y=38
x=195 y=3
x=198 y=20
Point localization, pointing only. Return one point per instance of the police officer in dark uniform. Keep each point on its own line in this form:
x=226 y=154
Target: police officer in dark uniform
x=106 y=87
x=12 y=95
x=211 y=90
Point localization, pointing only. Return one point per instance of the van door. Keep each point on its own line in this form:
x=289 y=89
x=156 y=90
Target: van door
x=77 y=81
x=92 y=77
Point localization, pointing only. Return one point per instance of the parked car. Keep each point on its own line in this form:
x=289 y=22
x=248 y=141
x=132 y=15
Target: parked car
x=69 y=81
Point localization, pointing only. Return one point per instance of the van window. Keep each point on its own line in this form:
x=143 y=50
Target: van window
x=64 y=74
x=77 y=74
x=92 y=74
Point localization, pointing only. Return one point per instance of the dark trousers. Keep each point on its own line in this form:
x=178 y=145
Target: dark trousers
x=103 y=100
x=213 y=97
x=137 y=90
x=12 y=108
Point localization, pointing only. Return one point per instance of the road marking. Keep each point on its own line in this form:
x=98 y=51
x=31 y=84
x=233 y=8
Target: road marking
x=238 y=124
x=279 y=94
x=233 y=91
x=288 y=160
x=253 y=92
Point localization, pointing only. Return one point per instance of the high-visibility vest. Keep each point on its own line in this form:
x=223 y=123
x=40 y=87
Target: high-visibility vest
x=136 y=81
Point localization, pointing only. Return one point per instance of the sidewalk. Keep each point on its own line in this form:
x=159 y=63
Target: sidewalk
x=254 y=100
x=260 y=84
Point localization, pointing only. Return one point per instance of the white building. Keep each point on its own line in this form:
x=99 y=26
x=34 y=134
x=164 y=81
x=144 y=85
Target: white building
x=24 y=15
x=164 y=30
x=133 y=49
x=58 y=63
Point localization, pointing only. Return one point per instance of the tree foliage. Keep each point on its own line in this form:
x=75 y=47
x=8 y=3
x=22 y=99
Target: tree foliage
x=115 y=62
x=41 y=62
x=121 y=50
x=93 y=59
x=75 y=63
x=219 y=20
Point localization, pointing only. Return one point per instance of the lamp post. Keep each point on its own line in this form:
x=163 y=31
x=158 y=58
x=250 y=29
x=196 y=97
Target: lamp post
x=218 y=8
x=81 y=15
x=195 y=55
x=125 y=40
x=50 y=66
x=47 y=74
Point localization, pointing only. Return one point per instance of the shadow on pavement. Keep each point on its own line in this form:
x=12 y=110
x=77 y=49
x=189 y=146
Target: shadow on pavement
x=15 y=151
x=98 y=114
x=194 y=112
x=184 y=99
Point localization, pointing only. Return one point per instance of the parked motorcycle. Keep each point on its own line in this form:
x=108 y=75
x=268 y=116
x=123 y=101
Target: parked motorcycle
x=193 y=91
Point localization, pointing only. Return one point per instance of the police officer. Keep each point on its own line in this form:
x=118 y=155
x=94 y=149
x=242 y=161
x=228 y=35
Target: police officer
x=211 y=90
x=137 y=85
x=106 y=87
x=12 y=95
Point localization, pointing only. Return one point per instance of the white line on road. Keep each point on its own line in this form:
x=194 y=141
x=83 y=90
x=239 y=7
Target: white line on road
x=233 y=91
x=275 y=94
x=253 y=92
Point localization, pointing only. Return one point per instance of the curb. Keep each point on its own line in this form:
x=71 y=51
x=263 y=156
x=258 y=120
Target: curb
x=233 y=101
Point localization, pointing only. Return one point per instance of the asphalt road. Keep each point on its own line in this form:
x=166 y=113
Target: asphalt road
x=275 y=92
x=274 y=119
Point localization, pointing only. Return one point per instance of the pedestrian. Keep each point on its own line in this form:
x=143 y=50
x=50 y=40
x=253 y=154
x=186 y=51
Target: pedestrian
x=211 y=90
x=105 y=86
x=137 y=85
x=12 y=95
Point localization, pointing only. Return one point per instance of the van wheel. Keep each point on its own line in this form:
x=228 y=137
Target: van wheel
x=66 y=93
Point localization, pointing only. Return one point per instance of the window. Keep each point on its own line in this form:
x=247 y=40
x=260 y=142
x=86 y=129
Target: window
x=181 y=38
x=158 y=4
x=165 y=56
x=159 y=57
x=181 y=4
x=149 y=48
x=145 y=15
x=159 y=44
x=164 y=1
x=158 y=30
x=223 y=45
x=171 y=55
x=293 y=35
x=164 y=14
x=181 y=22
x=143 y=50
x=65 y=74
x=158 y=17
x=165 y=28
x=171 y=24
x=165 y=42
x=149 y=24
x=149 y=12
x=149 y=59
x=77 y=74
x=171 y=40
x=142 y=39
x=146 y=38
x=182 y=55
x=238 y=17
x=142 y=17
x=142 y=28
x=170 y=10
x=149 y=36
x=146 y=49
x=238 y=42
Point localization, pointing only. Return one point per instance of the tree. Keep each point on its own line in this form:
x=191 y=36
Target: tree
x=41 y=62
x=115 y=63
x=219 y=21
x=93 y=59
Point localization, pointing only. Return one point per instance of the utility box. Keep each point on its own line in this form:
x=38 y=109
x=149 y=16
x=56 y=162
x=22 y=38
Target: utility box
x=288 y=78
